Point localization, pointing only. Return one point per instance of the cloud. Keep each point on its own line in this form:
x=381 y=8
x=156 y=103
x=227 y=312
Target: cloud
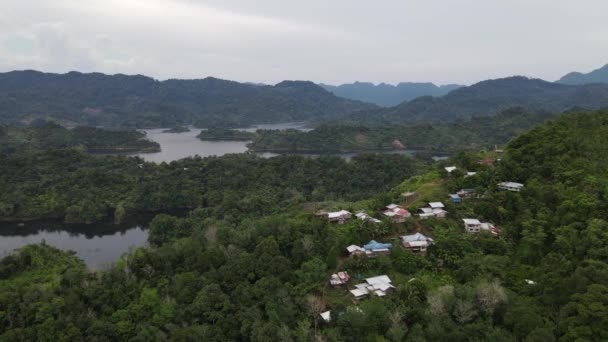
x=329 y=41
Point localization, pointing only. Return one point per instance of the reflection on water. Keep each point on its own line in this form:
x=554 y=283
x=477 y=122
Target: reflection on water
x=300 y=126
x=176 y=146
x=99 y=245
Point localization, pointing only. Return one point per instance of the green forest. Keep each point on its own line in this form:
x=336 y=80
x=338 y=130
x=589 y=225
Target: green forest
x=41 y=135
x=225 y=134
x=78 y=187
x=471 y=135
x=251 y=262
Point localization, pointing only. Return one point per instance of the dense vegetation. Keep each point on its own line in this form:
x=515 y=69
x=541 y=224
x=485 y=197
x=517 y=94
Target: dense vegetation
x=225 y=134
x=138 y=101
x=388 y=95
x=82 y=188
x=491 y=97
x=471 y=135
x=264 y=277
x=177 y=129
x=45 y=135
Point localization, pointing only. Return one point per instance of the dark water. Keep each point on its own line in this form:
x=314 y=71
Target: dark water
x=99 y=245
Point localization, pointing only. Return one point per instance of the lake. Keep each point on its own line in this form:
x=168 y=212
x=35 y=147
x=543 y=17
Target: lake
x=176 y=146
x=99 y=245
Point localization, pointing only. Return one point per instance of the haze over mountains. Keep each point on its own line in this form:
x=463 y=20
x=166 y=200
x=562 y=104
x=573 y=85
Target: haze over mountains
x=388 y=95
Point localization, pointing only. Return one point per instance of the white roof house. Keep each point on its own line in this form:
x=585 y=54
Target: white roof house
x=471 y=222
x=469 y=174
x=392 y=206
x=450 y=169
x=354 y=248
x=378 y=285
x=326 y=316
x=416 y=237
x=511 y=186
x=383 y=279
x=338 y=214
x=362 y=215
x=416 y=243
x=435 y=205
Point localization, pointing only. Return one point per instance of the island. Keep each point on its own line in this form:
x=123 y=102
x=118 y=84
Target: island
x=215 y=134
x=177 y=129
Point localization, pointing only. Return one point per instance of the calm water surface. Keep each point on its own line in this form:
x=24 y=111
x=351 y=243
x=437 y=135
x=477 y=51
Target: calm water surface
x=99 y=245
x=176 y=146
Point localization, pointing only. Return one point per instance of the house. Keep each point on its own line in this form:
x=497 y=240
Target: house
x=378 y=286
x=467 y=193
x=450 y=169
x=511 y=186
x=417 y=243
x=362 y=215
x=339 y=216
x=339 y=279
x=488 y=162
x=472 y=225
x=434 y=209
x=396 y=213
x=374 y=248
x=475 y=226
x=489 y=228
x=409 y=197
x=355 y=250
x=455 y=198
x=436 y=205
x=427 y=212
x=470 y=174
x=326 y=316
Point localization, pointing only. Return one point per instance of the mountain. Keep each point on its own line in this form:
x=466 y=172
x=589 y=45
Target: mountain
x=388 y=95
x=596 y=76
x=492 y=96
x=140 y=101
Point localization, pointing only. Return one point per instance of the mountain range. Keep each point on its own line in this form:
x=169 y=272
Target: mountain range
x=388 y=95
x=140 y=101
x=490 y=97
x=596 y=76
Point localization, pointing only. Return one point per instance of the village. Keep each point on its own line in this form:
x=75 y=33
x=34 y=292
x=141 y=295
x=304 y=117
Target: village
x=412 y=221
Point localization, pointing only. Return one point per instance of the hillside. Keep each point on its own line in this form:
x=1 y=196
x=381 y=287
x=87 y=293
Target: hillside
x=388 y=95
x=140 y=101
x=491 y=97
x=253 y=263
x=596 y=76
x=43 y=135
x=471 y=135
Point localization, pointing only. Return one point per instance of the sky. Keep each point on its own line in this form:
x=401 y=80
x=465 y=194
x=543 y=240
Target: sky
x=329 y=41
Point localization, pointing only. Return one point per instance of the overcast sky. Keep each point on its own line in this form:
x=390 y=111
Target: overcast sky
x=330 y=41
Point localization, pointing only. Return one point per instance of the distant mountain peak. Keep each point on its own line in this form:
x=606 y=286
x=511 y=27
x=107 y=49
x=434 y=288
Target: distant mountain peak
x=596 y=76
x=388 y=95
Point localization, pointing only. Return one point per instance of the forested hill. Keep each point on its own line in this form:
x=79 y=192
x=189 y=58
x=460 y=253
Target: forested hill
x=251 y=264
x=41 y=135
x=596 y=76
x=139 y=101
x=492 y=96
x=445 y=137
x=389 y=95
